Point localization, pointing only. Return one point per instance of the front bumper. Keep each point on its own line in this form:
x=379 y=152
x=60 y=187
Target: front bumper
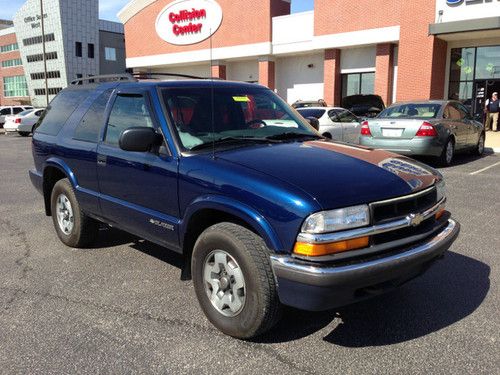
x=313 y=286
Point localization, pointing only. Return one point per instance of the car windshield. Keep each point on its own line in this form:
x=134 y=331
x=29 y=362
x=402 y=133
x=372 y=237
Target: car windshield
x=311 y=112
x=27 y=112
x=243 y=113
x=411 y=110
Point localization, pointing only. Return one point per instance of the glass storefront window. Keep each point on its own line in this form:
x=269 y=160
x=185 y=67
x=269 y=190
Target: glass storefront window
x=461 y=91
x=462 y=64
x=15 y=86
x=488 y=62
x=358 y=83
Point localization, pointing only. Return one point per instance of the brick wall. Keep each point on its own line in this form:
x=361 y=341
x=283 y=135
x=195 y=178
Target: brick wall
x=9 y=72
x=244 y=22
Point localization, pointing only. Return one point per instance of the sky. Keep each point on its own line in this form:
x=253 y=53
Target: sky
x=109 y=8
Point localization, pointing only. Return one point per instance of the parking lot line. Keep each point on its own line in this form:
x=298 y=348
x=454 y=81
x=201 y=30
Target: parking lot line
x=484 y=169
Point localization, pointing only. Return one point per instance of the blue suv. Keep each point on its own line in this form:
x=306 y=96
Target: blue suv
x=265 y=211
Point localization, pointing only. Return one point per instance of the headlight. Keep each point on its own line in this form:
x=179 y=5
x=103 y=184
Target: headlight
x=441 y=190
x=335 y=220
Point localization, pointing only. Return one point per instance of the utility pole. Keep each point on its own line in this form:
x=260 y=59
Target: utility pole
x=44 y=56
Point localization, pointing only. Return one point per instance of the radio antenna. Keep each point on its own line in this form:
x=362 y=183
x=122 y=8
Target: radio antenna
x=212 y=97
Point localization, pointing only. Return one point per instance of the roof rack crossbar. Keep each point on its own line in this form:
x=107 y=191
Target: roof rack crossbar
x=104 y=78
x=145 y=75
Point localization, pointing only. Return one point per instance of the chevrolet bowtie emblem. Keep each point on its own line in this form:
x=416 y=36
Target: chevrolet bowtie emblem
x=415 y=219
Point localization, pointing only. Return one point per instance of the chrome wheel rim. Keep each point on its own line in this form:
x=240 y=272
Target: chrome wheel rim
x=449 y=152
x=224 y=283
x=480 y=145
x=65 y=217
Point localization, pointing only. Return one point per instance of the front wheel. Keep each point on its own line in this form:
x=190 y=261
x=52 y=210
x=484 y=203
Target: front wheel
x=234 y=282
x=479 y=149
x=73 y=227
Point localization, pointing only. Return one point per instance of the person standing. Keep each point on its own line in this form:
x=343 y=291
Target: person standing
x=492 y=109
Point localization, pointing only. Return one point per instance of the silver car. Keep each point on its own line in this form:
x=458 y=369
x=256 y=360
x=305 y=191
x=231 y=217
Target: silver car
x=435 y=128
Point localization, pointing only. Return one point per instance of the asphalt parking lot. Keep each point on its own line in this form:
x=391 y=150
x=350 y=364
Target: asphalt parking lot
x=121 y=307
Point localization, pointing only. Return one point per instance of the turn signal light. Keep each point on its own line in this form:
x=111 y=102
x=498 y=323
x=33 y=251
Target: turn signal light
x=440 y=213
x=426 y=130
x=365 y=129
x=316 y=250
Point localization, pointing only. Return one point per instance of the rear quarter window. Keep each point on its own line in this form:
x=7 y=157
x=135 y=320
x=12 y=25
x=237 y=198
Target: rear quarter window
x=60 y=109
x=92 y=122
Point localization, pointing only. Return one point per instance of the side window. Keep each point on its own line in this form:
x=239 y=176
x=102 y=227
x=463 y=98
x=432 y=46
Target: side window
x=464 y=112
x=91 y=124
x=453 y=113
x=60 y=109
x=18 y=110
x=333 y=116
x=38 y=113
x=346 y=116
x=128 y=111
x=5 y=111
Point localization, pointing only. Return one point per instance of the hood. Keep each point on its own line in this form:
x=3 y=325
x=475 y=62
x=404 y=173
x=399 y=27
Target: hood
x=362 y=104
x=334 y=174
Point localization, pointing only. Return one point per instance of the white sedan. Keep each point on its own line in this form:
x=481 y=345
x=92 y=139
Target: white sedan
x=23 y=122
x=335 y=123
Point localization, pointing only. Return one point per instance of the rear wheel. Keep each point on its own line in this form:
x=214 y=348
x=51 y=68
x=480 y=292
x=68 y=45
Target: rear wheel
x=24 y=134
x=327 y=135
x=234 y=282
x=448 y=153
x=73 y=227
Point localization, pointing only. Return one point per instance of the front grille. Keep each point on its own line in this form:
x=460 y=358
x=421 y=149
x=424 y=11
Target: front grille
x=395 y=235
x=397 y=208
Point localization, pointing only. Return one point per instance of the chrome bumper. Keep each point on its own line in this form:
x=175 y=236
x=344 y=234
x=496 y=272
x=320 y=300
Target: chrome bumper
x=314 y=286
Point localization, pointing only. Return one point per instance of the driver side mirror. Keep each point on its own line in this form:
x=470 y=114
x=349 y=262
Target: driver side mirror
x=313 y=121
x=139 y=139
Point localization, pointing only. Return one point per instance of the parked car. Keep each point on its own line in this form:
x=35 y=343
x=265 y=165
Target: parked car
x=24 y=122
x=364 y=106
x=335 y=123
x=309 y=103
x=265 y=215
x=11 y=110
x=437 y=128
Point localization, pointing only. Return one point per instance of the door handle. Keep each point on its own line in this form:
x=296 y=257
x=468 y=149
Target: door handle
x=101 y=160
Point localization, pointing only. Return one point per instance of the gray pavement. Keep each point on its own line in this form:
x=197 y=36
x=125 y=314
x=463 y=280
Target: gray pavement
x=122 y=308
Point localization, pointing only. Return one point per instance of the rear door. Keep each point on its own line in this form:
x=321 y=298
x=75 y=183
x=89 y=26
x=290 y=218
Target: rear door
x=335 y=129
x=138 y=190
x=457 y=125
x=350 y=126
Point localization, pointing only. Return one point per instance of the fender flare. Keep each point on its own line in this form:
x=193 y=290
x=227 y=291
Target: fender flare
x=63 y=167
x=233 y=207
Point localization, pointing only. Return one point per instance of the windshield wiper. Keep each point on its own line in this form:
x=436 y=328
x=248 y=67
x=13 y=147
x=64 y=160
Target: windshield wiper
x=224 y=140
x=293 y=135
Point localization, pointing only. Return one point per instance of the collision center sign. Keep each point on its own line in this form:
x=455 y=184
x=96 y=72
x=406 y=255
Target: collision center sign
x=185 y=22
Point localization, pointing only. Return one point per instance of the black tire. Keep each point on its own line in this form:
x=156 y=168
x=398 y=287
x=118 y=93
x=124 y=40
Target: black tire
x=327 y=135
x=261 y=308
x=479 y=148
x=444 y=159
x=83 y=229
x=24 y=134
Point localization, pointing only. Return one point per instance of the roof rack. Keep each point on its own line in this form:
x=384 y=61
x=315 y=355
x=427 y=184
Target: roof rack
x=146 y=75
x=104 y=78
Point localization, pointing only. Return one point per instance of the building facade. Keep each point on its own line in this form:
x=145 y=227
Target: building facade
x=400 y=50
x=77 y=45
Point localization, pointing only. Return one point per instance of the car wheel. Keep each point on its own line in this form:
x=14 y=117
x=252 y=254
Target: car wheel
x=24 y=134
x=327 y=135
x=479 y=149
x=448 y=153
x=73 y=227
x=234 y=282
